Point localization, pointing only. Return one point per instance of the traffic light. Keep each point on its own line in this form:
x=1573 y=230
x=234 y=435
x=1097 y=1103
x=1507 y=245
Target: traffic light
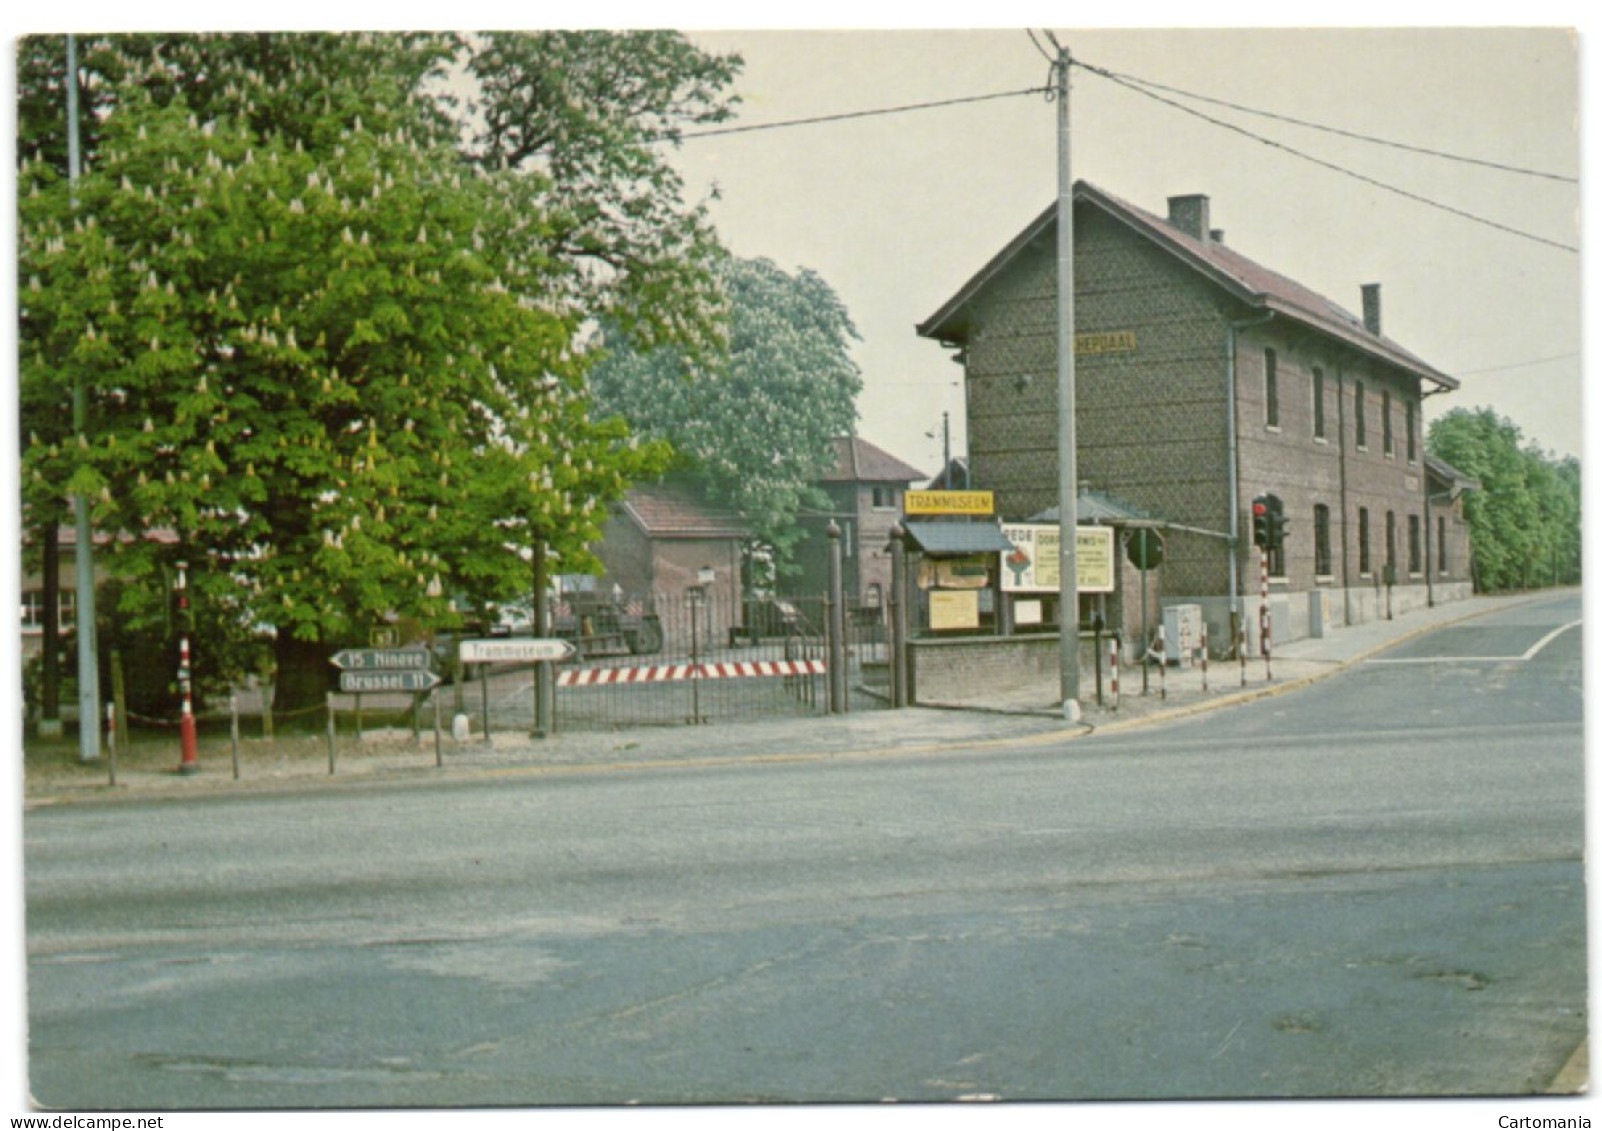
x=1261 y=523
x=1277 y=525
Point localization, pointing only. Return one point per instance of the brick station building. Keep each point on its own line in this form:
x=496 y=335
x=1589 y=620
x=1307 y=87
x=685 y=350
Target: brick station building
x=1203 y=380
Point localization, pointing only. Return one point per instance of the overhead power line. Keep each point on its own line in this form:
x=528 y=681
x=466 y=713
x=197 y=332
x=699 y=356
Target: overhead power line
x=859 y=114
x=1516 y=365
x=1330 y=165
x=1135 y=79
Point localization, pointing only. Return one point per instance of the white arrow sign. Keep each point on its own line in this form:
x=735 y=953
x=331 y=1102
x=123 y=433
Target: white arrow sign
x=514 y=651
x=359 y=681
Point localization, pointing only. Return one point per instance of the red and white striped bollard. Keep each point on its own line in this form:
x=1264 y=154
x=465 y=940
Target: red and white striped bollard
x=188 y=763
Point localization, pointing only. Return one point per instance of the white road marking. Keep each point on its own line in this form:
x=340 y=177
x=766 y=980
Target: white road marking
x=1528 y=655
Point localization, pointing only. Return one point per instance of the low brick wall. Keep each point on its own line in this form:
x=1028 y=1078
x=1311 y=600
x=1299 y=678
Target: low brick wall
x=970 y=667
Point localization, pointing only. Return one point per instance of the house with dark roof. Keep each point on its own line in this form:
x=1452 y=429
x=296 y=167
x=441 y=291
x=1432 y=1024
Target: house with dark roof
x=864 y=489
x=1205 y=380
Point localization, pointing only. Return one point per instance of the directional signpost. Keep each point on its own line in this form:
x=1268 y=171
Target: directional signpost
x=384 y=669
x=380 y=681
x=381 y=660
x=532 y=650
x=380 y=671
x=515 y=651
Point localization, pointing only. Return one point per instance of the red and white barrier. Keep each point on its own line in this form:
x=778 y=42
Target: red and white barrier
x=667 y=673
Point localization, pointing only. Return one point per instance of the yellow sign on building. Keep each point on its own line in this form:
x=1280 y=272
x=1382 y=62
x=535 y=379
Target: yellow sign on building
x=949 y=502
x=1116 y=341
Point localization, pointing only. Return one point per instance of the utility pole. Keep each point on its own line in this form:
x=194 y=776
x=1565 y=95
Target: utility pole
x=1067 y=455
x=945 y=468
x=88 y=662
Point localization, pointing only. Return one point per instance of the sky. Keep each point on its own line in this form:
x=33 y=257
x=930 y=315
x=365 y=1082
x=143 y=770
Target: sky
x=896 y=212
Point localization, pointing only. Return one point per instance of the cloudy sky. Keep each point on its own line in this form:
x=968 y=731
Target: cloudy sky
x=1478 y=265
x=896 y=212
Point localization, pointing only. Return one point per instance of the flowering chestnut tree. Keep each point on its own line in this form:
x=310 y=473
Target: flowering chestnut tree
x=338 y=354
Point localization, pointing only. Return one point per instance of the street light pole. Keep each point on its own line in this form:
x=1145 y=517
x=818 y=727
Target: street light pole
x=1067 y=455
x=88 y=659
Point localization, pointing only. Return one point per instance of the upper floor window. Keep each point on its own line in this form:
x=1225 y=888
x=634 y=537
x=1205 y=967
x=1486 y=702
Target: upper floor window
x=1412 y=432
x=1318 y=404
x=1271 y=387
x=1359 y=417
x=1385 y=422
x=1322 y=566
x=884 y=498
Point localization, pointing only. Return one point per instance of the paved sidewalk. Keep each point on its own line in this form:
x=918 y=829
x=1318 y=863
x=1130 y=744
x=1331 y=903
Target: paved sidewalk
x=1022 y=715
x=1150 y=696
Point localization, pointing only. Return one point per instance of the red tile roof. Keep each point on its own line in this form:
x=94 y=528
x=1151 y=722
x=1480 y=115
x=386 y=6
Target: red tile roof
x=857 y=461
x=1246 y=279
x=670 y=510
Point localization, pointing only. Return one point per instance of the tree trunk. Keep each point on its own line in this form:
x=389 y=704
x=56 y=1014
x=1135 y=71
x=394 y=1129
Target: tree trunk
x=50 y=676
x=301 y=684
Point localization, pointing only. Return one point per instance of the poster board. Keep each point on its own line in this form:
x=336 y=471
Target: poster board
x=1033 y=566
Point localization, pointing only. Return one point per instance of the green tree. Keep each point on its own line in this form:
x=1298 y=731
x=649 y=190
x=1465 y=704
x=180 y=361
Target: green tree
x=758 y=427
x=1524 y=521
x=342 y=356
x=593 y=112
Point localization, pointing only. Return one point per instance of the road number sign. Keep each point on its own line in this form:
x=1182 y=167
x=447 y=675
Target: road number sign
x=514 y=651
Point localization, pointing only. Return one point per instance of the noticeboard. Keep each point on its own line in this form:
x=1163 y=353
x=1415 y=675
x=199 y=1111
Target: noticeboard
x=951 y=609
x=972 y=571
x=1033 y=566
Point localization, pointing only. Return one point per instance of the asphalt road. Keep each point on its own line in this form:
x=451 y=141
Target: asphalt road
x=1372 y=886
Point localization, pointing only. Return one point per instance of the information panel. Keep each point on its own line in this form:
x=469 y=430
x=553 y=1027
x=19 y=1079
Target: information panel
x=1033 y=566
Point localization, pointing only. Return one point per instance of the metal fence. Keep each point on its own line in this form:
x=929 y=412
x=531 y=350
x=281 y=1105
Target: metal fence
x=684 y=660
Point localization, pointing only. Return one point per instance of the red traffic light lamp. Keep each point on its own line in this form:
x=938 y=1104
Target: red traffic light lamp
x=1261 y=523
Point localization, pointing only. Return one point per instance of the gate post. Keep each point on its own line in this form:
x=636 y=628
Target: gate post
x=898 y=617
x=544 y=673
x=836 y=631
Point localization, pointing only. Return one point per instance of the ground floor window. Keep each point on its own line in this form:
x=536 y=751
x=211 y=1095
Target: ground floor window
x=1440 y=544
x=1415 y=545
x=33 y=616
x=1365 y=563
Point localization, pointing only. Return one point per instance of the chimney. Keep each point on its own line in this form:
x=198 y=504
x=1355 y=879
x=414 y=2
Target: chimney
x=1371 y=308
x=1189 y=215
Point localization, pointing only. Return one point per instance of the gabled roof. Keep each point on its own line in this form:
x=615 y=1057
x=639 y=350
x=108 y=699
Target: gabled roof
x=1245 y=279
x=1097 y=508
x=672 y=510
x=1448 y=475
x=857 y=461
x=955 y=472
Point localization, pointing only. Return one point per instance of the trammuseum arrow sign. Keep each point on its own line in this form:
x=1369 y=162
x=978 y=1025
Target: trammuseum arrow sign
x=533 y=650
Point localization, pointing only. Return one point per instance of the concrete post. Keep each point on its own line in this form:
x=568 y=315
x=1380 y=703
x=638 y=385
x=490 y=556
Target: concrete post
x=898 y=617
x=836 y=630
